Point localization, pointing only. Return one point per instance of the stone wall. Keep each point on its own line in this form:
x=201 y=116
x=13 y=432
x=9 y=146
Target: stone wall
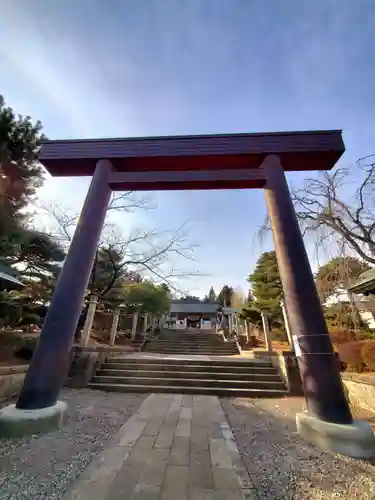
x=11 y=380
x=360 y=394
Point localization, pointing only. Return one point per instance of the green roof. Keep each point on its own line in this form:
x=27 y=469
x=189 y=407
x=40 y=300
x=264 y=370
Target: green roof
x=365 y=283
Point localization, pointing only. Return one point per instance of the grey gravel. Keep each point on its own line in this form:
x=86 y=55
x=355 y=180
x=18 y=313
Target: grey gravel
x=281 y=465
x=43 y=467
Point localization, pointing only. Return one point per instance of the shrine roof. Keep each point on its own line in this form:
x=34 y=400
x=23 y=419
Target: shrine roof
x=199 y=308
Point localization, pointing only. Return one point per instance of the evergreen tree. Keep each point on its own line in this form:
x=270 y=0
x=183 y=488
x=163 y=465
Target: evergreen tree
x=20 y=172
x=266 y=287
x=166 y=287
x=225 y=296
x=210 y=298
x=336 y=276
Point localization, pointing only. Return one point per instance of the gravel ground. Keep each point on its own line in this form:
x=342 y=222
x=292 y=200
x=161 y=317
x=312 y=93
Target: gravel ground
x=38 y=468
x=284 y=467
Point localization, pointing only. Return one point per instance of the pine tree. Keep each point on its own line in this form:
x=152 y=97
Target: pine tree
x=211 y=296
x=20 y=172
x=267 y=288
x=225 y=296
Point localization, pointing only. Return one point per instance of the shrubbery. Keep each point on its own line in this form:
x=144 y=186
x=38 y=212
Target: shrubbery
x=341 y=335
x=279 y=334
x=357 y=355
x=26 y=351
x=18 y=345
x=368 y=354
x=350 y=354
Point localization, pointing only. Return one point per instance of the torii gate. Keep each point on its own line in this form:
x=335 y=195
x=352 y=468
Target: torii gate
x=231 y=161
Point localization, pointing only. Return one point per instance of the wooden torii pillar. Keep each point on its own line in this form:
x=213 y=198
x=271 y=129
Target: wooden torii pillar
x=318 y=365
x=41 y=387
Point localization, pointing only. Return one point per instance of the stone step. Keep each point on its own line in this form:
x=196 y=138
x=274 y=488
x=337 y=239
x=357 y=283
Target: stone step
x=252 y=377
x=226 y=354
x=155 y=345
x=191 y=341
x=181 y=389
x=202 y=352
x=183 y=339
x=192 y=347
x=170 y=342
x=230 y=363
x=240 y=370
x=206 y=382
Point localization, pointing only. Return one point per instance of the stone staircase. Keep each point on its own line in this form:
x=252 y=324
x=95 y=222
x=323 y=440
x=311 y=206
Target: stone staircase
x=206 y=343
x=190 y=375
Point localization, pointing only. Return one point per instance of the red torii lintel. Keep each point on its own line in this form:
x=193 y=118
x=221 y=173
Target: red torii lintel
x=233 y=153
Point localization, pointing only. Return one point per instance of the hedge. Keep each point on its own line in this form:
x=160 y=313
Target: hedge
x=368 y=354
x=350 y=354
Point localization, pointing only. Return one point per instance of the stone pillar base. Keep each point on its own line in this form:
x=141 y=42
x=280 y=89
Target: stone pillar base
x=356 y=440
x=15 y=422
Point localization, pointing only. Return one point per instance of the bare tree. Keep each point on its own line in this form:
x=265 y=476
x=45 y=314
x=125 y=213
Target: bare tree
x=151 y=253
x=238 y=297
x=339 y=206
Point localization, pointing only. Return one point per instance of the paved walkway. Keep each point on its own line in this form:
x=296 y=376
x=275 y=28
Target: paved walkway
x=175 y=447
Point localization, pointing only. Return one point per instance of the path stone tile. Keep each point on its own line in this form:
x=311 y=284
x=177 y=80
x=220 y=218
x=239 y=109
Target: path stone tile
x=97 y=478
x=165 y=436
x=176 y=478
x=187 y=400
x=214 y=431
x=154 y=468
x=123 y=486
x=199 y=442
x=167 y=430
x=237 y=464
x=220 y=455
x=146 y=492
x=209 y=494
x=180 y=451
x=168 y=494
x=249 y=494
x=176 y=483
x=186 y=412
x=132 y=432
x=183 y=428
x=140 y=451
x=153 y=426
x=225 y=479
x=200 y=470
x=201 y=494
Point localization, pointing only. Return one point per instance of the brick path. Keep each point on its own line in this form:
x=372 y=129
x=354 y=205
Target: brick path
x=174 y=447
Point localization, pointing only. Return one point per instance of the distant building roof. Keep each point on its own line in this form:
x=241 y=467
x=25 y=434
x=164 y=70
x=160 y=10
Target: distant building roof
x=365 y=283
x=187 y=307
x=7 y=278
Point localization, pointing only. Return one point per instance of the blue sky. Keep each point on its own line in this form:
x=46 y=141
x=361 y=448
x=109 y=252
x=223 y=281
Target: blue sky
x=152 y=67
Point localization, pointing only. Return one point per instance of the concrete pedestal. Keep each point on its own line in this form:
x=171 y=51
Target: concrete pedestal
x=15 y=422
x=356 y=440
